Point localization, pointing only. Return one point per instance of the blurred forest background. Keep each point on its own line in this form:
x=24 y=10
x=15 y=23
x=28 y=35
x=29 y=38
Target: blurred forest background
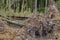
x=24 y=7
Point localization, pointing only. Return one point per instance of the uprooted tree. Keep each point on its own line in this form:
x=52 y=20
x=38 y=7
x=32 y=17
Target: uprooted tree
x=44 y=27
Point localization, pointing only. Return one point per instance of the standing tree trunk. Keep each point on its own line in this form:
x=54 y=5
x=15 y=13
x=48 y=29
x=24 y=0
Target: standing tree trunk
x=35 y=6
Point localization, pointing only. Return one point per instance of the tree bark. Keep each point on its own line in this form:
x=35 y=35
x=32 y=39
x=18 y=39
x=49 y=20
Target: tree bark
x=13 y=22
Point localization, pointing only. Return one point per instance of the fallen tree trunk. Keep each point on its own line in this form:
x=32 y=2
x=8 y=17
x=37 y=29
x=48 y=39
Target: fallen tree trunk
x=16 y=17
x=14 y=22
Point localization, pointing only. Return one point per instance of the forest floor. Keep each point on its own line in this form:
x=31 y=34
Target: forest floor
x=13 y=32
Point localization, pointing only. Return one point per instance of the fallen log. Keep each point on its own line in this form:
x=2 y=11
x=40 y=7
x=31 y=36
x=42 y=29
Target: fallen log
x=14 y=22
x=16 y=17
x=19 y=17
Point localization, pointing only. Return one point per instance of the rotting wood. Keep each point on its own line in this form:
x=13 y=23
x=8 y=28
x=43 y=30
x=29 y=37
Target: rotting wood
x=16 y=17
x=19 y=17
x=13 y=22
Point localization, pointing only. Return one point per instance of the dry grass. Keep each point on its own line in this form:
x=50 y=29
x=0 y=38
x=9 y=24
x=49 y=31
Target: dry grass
x=59 y=36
